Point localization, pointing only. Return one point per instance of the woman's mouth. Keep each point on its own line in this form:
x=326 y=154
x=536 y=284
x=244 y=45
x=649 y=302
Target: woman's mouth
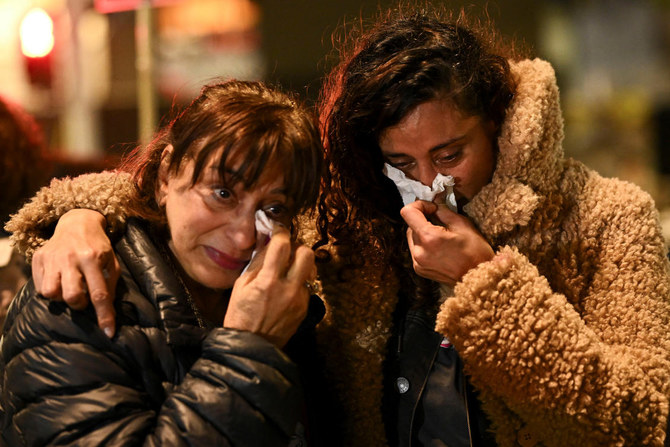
x=225 y=261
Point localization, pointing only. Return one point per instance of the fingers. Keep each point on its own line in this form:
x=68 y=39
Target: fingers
x=447 y=217
x=272 y=300
x=417 y=249
x=277 y=255
x=423 y=258
x=37 y=271
x=78 y=265
x=74 y=291
x=104 y=310
x=415 y=213
x=420 y=229
x=47 y=280
x=303 y=268
x=444 y=245
x=101 y=286
x=284 y=259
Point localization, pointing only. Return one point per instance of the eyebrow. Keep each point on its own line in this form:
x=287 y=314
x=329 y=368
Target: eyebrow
x=437 y=147
x=281 y=191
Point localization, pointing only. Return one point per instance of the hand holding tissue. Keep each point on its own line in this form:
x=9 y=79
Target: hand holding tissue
x=264 y=226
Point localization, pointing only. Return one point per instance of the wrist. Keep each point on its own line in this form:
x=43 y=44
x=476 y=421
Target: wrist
x=82 y=216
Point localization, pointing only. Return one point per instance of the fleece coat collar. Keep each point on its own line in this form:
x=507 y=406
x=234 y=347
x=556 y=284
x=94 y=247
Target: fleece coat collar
x=530 y=149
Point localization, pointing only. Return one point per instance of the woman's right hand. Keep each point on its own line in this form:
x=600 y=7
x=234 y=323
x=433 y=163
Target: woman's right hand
x=271 y=297
x=446 y=250
x=78 y=265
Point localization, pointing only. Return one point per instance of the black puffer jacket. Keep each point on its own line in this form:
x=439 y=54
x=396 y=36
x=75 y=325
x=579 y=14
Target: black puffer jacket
x=161 y=380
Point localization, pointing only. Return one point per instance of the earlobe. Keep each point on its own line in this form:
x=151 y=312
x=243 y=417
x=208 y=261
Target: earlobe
x=163 y=175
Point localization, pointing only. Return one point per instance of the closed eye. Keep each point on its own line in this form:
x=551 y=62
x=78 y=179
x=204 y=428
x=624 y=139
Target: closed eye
x=401 y=164
x=446 y=158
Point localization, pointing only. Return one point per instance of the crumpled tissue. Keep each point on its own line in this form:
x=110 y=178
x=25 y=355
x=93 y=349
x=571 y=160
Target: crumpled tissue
x=411 y=190
x=263 y=228
x=263 y=223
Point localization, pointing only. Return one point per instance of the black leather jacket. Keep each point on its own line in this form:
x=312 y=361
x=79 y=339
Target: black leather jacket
x=162 y=380
x=413 y=362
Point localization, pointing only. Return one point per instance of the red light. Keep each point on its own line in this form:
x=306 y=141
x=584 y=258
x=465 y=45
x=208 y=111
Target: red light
x=36 y=31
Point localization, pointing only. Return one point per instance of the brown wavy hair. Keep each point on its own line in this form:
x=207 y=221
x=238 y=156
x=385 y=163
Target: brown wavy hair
x=255 y=125
x=409 y=55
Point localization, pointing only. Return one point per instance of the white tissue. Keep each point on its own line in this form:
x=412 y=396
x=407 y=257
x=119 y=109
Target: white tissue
x=411 y=190
x=263 y=228
x=263 y=223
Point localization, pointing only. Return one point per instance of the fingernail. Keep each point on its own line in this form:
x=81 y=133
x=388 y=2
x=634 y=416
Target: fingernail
x=109 y=332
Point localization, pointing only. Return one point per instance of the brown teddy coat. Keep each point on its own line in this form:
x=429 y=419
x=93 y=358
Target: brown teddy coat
x=565 y=332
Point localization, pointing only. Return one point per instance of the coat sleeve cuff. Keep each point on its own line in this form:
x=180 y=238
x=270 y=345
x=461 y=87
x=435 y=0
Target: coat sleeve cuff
x=484 y=286
x=106 y=192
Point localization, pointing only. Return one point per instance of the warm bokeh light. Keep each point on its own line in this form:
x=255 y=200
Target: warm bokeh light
x=208 y=17
x=36 y=31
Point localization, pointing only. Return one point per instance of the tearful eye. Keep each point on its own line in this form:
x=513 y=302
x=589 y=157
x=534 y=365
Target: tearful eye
x=222 y=193
x=276 y=211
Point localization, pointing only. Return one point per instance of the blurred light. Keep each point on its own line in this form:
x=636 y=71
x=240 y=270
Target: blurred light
x=36 y=31
x=208 y=17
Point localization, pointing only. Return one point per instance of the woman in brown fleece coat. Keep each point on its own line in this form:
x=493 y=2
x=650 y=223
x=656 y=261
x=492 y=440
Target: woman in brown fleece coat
x=559 y=315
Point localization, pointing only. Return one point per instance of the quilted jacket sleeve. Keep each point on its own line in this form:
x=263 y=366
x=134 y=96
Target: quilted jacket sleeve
x=105 y=192
x=65 y=383
x=585 y=362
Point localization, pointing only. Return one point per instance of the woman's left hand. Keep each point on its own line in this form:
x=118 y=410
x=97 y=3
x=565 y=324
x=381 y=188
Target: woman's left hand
x=271 y=297
x=446 y=251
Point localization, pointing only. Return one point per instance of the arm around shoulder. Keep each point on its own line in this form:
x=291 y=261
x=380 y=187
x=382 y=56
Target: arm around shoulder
x=105 y=192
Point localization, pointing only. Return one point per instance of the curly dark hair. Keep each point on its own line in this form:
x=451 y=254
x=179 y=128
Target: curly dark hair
x=254 y=124
x=408 y=56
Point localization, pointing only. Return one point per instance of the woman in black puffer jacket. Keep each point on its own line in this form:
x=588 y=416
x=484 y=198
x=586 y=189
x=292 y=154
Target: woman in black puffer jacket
x=197 y=355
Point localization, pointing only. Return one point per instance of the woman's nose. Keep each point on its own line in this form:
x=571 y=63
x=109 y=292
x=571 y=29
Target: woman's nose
x=243 y=231
x=426 y=173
